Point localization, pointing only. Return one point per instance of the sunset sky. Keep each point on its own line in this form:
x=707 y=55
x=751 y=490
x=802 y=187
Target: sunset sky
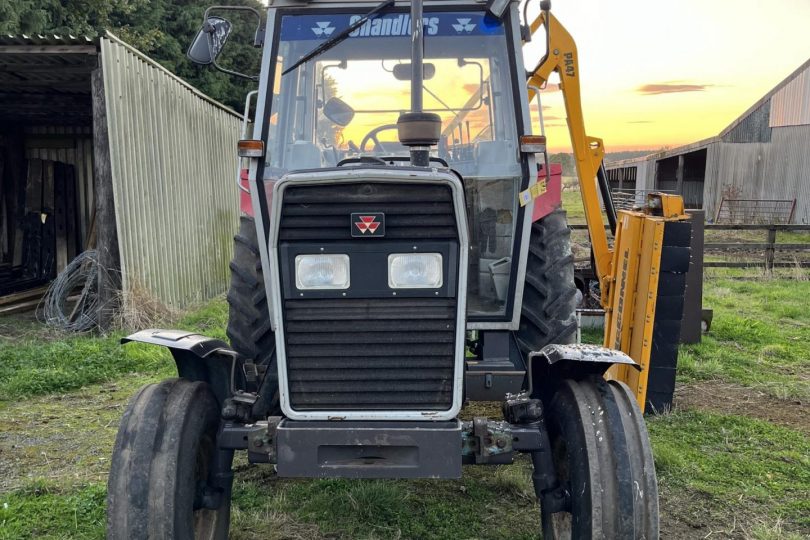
x=658 y=73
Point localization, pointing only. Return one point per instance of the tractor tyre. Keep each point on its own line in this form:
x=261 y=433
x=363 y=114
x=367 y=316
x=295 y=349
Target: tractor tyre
x=548 y=313
x=603 y=461
x=250 y=330
x=162 y=470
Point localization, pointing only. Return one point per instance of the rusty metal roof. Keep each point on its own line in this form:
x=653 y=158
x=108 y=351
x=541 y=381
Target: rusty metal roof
x=46 y=39
x=45 y=79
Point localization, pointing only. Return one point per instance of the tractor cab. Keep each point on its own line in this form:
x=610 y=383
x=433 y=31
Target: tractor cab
x=341 y=107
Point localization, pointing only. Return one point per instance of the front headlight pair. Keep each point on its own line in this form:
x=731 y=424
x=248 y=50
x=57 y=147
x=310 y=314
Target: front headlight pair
x=405 y=271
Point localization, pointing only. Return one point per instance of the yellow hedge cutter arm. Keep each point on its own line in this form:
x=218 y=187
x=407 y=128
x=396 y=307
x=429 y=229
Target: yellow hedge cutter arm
x=642 y=318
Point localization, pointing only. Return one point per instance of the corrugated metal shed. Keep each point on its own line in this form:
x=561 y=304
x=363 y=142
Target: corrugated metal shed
x=154 y=157
x=790 y=106
x=766 y=99
x=776 y=170
x=46 y=79
x=173 y=158
x=763 y=154
x=755 y=127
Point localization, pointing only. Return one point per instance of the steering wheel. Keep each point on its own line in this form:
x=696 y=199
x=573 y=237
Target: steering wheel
x=372 y=136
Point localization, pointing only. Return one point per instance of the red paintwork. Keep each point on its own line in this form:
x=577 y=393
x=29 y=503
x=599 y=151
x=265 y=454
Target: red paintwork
x=543 y=205
x=552 y=198
x=245 y=204
x=244 y=196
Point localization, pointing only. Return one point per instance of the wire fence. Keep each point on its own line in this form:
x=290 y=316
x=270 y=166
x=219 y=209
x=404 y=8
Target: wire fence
x=755 y=211
x=630 y=199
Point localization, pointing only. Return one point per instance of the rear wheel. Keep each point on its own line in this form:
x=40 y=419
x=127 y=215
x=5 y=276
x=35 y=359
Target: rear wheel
x=250 y=330
x=548 y=313
x=603 y=461
x=162 y=480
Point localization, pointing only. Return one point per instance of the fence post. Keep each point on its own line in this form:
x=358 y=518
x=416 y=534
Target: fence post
x=770 y=250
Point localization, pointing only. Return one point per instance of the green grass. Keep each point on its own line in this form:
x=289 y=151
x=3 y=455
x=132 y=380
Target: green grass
x=720 y=475
x=40 y=362
x=466 y=508
x=728 y=464
x=51 y=510
x=760 y=337
x=757 y=237
x=572 y=204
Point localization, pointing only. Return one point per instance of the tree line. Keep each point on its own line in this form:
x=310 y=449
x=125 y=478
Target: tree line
x=161 y=29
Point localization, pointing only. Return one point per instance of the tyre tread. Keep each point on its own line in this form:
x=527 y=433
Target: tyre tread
x=548 y=313
x=249 y=328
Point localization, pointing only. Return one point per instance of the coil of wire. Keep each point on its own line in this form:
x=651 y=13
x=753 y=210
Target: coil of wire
x=62 y=308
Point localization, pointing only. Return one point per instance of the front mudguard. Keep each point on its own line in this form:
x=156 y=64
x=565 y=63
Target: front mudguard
x=558 y=362
x=198 y=358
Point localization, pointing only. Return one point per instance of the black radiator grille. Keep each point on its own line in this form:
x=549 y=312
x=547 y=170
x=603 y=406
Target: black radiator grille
x=370 y=354
x=389 y=353
x=412 y=211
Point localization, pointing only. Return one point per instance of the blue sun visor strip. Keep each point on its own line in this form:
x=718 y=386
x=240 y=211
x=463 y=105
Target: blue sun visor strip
x=321 y=27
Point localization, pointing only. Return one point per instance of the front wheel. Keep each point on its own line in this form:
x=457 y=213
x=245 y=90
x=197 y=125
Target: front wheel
x=162 y=481
x=603 y=461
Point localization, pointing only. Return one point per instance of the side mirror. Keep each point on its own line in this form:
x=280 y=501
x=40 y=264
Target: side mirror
x=404 y=72
x=497 y=8
x=209 y=41
x=338 y=111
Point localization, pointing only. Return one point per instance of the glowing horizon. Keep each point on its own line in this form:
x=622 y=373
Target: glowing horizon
x=660 y=74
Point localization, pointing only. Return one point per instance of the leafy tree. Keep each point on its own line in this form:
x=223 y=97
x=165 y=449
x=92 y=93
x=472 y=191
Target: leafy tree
x=161 y=29
x=567 y=162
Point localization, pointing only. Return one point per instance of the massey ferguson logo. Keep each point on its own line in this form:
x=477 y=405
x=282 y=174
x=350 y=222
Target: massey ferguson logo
x=464 y=26
x=364 y=224
x=323 y=29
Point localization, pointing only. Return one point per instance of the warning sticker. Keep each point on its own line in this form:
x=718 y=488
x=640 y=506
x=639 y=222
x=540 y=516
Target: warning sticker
x=527 y=196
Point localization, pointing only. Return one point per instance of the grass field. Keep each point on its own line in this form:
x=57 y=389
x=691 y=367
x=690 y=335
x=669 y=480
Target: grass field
x=733 y=458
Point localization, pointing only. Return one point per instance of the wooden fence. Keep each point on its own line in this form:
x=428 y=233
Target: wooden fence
x=770 y=247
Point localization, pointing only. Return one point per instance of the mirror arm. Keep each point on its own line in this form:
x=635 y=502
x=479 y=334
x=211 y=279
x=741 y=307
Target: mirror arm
x=234 y=73
x=210 y=44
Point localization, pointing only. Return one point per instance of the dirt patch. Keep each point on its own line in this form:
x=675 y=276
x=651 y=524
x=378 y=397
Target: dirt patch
x=61 y=436
x=734 y=399
x=688 y=515
x=21 y=327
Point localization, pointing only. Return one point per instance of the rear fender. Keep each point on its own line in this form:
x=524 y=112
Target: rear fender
x=198 y=358
x=550 y=197
x=556 y=362
x=245 y=202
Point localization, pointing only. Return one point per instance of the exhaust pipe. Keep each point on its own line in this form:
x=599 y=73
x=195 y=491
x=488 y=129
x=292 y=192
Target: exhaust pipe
x=417 y=129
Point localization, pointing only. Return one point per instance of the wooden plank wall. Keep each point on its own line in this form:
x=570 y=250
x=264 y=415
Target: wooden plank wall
x=72 y=145
x=46 y=200
x=42 y=224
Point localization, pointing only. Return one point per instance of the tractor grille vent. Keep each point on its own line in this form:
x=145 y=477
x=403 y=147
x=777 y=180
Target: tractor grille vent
x=369 y=353
x=412 y=212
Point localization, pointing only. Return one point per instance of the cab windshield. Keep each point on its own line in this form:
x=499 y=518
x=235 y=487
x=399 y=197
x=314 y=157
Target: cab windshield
x=345 y=103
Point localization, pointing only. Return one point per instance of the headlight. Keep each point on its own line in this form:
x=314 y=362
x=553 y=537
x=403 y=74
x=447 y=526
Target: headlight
x=415 y=270
x=322 y=271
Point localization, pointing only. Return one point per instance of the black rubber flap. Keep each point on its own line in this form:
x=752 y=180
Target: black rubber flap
x=675 y=256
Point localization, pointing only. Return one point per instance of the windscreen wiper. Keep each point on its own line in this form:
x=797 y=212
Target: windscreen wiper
x=338 y=38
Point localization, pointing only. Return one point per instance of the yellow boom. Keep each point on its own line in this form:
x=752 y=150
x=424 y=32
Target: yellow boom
x=629 y=272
